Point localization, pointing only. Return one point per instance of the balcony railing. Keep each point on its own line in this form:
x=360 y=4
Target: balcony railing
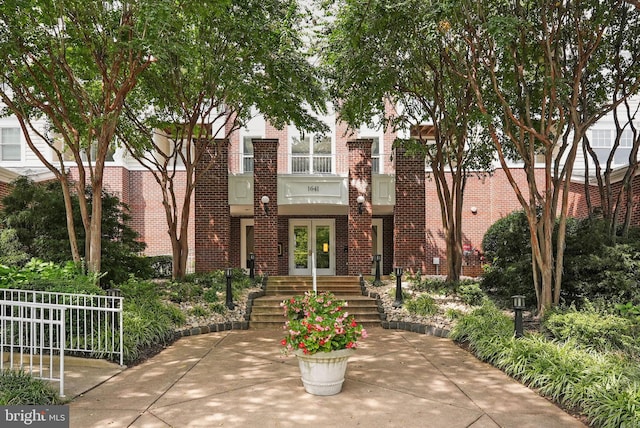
x=328 y=164
x=311 y=164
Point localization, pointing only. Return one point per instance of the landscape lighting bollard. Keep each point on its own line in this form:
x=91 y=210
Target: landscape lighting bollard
x=252 y=264
x=377 y=259
x=399 y=300
x=230 y=304
x=518 y=307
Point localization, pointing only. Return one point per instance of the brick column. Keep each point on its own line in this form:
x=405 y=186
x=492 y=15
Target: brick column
x=212 y=212
x=265 y=226
x=359 y=255
x=410 y=239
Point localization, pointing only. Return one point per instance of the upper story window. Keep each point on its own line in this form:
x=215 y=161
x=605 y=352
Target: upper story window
x=93 y=150
x=601 y=138
x=626 y=139
x=247 y=153
x=10 y=148
x=311 y=154
x=375 y=154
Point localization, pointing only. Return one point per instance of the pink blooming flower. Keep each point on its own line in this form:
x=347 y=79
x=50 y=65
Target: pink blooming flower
x=319 y=322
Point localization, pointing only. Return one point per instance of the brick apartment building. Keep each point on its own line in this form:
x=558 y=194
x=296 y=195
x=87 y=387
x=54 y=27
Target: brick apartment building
x=296 y=201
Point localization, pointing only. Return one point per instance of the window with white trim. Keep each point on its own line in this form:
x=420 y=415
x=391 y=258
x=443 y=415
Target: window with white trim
x=10 y=147
x=375 y=154
x=247 y=153
x=626 y=139
x=311 y=154
x=601 y=138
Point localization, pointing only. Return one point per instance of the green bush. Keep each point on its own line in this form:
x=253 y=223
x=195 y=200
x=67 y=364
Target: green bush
x=506 y=246
x=148 y=322
x=592 y=330
x=470 y=292
x=423 y=305
x=11 y=251
x=161 y=266
x=48 y=276
x=36 y=212
x=18 y=388
x=604 y=386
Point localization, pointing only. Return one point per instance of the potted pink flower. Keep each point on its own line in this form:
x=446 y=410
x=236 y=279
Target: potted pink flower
x=322 y=334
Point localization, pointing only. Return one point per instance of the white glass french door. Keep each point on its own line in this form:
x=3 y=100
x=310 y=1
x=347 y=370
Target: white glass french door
x=309 y=241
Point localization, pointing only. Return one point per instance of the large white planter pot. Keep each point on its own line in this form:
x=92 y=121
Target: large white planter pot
x=323 y=372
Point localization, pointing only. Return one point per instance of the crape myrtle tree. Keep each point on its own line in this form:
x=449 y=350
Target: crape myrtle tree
x=71 y=64
x=219 y=62
x=386 y=52
x=614 y=199
x=538 y=56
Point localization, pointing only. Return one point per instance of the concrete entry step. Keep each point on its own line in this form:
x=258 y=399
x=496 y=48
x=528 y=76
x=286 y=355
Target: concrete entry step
x=267 y=313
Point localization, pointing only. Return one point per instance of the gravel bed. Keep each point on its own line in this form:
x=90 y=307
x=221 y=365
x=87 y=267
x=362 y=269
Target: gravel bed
x=386 y=293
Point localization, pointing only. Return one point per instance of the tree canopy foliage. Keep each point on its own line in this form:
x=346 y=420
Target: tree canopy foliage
x=220 y=64
x=388 y=60
x=71 y=64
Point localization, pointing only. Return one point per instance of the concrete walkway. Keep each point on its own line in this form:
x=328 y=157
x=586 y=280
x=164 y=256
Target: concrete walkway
x=240 y=379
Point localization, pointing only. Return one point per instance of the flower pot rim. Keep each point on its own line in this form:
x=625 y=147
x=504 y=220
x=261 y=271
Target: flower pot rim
x=323 y=354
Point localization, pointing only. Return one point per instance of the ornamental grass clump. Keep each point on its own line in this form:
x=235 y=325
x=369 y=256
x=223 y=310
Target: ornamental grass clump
x=319 y=323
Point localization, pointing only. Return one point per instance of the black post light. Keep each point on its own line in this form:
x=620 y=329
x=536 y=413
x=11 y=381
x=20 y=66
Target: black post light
x=377 y=259
x=518 y=307
x=360 y=200
x=230 y=305
x=399 y=300
x=252 y=265
x=265 y=204
x=114 y=292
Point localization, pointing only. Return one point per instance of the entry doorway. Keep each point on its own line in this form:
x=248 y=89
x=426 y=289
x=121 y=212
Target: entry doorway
x=246 y=241
x=309 y=240
x=376 y=243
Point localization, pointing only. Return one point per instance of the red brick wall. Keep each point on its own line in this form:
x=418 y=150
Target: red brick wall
x=140 y=191
x=410 y=250
x=359 y=255
x=212 y=213
x=4 y=191
x=265 y=183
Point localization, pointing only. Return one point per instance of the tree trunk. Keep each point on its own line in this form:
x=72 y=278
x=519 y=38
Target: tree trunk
x=68 y=207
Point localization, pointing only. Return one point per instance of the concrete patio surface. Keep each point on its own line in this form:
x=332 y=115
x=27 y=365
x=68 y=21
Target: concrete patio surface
x=239 y=378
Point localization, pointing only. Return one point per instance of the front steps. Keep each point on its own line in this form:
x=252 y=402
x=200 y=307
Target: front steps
x=266 y=312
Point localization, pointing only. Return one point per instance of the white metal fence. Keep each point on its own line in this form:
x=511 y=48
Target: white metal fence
x=32 y=339
x=93 y=324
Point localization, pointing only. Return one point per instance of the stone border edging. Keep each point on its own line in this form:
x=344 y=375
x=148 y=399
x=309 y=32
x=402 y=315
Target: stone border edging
x=244 y=325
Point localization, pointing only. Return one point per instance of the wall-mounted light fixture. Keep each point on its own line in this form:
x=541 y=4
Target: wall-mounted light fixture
x=474 y=210
x=265 y=204
x=360 y=201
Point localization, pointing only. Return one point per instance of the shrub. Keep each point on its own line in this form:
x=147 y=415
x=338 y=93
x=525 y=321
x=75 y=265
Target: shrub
x=592 y=330
x=11 y=251
x=37 y=213
x=18 y=388
x=48 y=276
x=605 y=387
x=148 y=322
x=161 y=266
x=433 y=285
x=470 y=292
x=506 y=246
x=199 y=311
x=423 y=305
